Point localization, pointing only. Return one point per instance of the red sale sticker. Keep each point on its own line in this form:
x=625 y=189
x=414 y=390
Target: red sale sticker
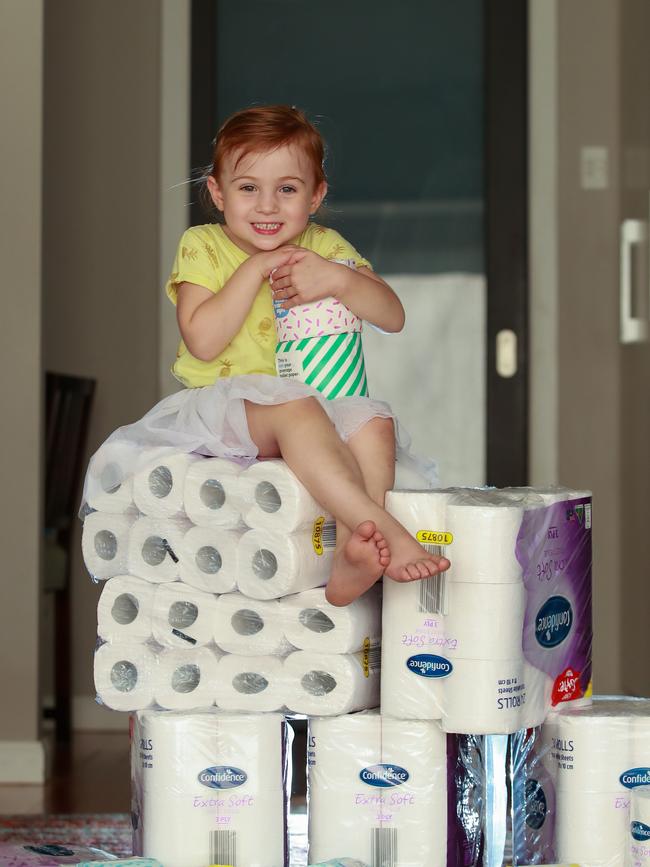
x=566 y=687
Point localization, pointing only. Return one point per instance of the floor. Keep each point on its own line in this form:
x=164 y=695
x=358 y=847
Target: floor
x=92 y=775
x=89 y=776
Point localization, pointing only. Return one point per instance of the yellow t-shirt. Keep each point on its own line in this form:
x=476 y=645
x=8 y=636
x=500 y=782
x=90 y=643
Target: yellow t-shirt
x=206 y=256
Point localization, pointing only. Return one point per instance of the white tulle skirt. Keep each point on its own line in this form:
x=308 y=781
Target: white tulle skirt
x=211 y=421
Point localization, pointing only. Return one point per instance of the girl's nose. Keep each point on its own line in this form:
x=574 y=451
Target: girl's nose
x=267 y=203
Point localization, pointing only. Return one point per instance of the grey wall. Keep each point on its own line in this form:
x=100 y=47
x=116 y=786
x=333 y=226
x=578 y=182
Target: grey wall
x=111 y=225
x=20 y=381
x=576 y=428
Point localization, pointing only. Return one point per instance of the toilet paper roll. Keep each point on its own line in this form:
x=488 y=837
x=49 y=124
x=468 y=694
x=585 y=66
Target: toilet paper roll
x=484 y=528
x=124 y=609
x=592 y=747
x=155 y=548
x=249 y=627
x=377 y=787
x=185 y=679
x=276 y=500
x=591 y=828
x=183 y=616
x=208 y=559
x=210 y=788
x=272 y=564
x=410 y=636
x=312 y=623
x=125 y=675
x=105 y=543
x=109 y=481
x=483 y=697
x=639 y=828
x=211 y=494
x=486 y=620
x=158 y=487
x=328 y=684
x=250 y=683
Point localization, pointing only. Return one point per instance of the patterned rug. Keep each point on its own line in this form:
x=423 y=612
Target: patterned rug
x=110 y=832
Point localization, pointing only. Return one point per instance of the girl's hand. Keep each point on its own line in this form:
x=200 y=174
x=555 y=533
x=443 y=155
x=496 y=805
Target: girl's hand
x=306 y=277
x=268 y=261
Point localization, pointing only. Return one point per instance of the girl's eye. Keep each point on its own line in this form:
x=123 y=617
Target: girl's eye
x=247 y=188
x=287 y=188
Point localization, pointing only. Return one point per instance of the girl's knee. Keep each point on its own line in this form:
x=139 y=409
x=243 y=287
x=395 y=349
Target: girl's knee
x=382 y=428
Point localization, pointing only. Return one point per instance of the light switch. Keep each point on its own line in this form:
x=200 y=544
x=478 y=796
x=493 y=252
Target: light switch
x=594 y=168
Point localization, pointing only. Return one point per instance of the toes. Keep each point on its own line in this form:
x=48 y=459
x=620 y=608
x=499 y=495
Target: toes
x=443 y=564
x=412 y=571
x=366 y=530
x=384 y=558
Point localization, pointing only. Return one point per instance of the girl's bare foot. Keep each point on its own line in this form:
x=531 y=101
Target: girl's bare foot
x=361 y=562
x=410 y=562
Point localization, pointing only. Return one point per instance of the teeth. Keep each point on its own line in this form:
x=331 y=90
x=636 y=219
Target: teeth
x=267 y=226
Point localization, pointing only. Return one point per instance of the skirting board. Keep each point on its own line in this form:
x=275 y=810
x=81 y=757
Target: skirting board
x=88 y=716
x=23 y=762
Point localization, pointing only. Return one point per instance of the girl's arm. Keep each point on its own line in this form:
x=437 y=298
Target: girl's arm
x=207 y=321
x=308 y=277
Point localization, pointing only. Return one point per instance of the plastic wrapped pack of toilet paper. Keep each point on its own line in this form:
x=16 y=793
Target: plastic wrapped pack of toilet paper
x=105 y=543
x=158 y=488
x=211 y=493
x=312 y=623
x=491 y=646
x=639 y=828
x=273 y=498
x=176 y=647
x=271 y=564
x=573 y=781
x=210 y=788
x=377 y=790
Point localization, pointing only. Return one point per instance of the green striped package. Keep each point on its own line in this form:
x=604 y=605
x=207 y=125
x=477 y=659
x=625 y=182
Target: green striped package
x=332 y=363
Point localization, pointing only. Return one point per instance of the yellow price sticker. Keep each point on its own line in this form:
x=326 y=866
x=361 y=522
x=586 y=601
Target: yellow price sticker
x=434 y=537
x=317 y=536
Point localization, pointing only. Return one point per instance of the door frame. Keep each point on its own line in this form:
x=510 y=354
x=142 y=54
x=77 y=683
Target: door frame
x=506 y=208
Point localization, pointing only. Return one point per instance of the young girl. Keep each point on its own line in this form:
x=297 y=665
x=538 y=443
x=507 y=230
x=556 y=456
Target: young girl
x=267 y=180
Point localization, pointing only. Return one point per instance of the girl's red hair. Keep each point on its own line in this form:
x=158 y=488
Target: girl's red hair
x=264 y=128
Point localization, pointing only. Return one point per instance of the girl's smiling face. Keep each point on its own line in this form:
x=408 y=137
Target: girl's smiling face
x=266 y=198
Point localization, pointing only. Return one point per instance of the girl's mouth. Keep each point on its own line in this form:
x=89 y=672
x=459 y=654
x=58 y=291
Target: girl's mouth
x=266 y=228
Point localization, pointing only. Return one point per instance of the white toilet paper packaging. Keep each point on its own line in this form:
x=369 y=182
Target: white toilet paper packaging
x=377 y=790
x=183 y=616
x=273 y=564
x=330 y=684
x=105 y=543
x=125 y=609
x=250 y=683
x=124 y=675
x=212 y=495
x=155 y=548
x=573 y=781
x=272 y=498
x=210 y=788
x=250 y=627
x=208 y=559
x=493 y=654
x=639 y=828
x=184 y=679
x=158 y=488
x=109 y=481
x=312 y=623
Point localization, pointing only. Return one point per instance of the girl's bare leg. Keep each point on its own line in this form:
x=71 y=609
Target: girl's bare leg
x=301 y=432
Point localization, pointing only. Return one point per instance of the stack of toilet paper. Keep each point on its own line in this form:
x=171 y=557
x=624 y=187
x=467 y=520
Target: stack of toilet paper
x=505 y=635
x=377 y=790
x=210 y=788
x=579 y=785
x=212 y=593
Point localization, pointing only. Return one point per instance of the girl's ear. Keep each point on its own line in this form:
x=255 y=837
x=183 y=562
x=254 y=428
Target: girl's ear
x=319 y=194
x=215 y=192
